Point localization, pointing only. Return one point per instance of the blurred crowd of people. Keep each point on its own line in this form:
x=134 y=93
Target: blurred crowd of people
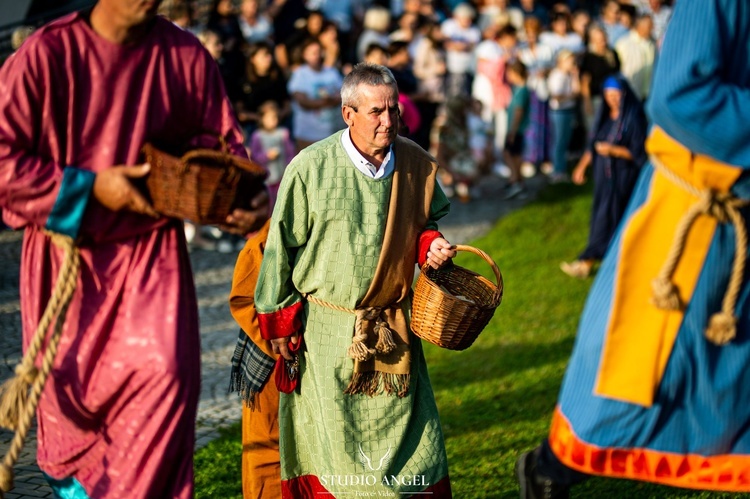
x=487 y=86
x=452 y=61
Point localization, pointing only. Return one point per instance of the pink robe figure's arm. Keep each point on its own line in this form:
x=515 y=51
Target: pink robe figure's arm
x=34 y=188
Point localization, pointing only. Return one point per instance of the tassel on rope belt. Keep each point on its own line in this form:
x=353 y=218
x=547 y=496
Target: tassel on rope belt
x=359 y=350
x=725 y=208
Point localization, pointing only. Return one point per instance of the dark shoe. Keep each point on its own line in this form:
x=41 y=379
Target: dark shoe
x=532 y=484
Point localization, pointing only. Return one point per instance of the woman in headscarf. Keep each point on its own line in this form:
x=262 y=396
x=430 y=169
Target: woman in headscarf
x=617 y=153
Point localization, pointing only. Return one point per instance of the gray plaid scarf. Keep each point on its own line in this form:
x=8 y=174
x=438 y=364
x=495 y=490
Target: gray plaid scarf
x=251 y=369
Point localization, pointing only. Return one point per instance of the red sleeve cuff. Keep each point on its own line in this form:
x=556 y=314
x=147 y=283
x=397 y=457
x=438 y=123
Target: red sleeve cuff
x=425 y=240
x=282 y=323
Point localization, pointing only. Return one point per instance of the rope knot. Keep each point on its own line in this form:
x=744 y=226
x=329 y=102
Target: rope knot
x=724 y=207
x=717 y=204
x=358 y=350
x=369 y=313
x=665 y=294
x=721 y=329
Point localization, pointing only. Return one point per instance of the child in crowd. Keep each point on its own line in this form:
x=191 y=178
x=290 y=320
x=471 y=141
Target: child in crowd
x=518 y=121
x=480 y=137
x=490 y=85
x=316 y=99
x=271 y=147
x=564 y=88
x=460 y=37
x=451 y=147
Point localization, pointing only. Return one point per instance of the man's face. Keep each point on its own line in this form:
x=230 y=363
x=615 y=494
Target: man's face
x=133 y=12
x=373 y=124
x=644 y=27
x=312 y=55
x=463 y=21
x=249 y=8
x=611 y=10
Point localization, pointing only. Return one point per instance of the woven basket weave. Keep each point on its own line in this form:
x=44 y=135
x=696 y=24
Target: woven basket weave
x=203 y=185
x=443 y=319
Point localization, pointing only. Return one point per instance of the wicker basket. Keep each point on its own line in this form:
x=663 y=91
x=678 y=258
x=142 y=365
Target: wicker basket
x=441 y=317
x=203 y=185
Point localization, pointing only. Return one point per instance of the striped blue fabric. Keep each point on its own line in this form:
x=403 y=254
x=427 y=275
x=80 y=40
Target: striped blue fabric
x=701 y=88
x=701 y=404
x=700 y=93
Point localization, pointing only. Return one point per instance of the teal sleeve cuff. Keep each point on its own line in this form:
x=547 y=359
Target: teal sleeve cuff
x=67 y=213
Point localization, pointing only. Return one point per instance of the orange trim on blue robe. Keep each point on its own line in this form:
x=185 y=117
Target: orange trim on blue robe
x=724 y=472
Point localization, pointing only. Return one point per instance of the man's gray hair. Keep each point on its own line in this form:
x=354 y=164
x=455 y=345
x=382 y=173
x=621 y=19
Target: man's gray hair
x=364 y=73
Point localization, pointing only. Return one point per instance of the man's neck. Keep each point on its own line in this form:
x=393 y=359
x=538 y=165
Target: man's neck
x=109 y=27
x=375 y=157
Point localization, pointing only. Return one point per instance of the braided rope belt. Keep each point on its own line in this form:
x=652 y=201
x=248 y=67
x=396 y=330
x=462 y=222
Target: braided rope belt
x=359 y=350
x=20 y=395
x=725 y=208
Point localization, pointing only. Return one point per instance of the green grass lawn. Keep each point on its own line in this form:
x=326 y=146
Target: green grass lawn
x=496 y=398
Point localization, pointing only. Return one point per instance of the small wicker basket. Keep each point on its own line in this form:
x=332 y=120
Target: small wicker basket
x=439 y=313
x=203 y=185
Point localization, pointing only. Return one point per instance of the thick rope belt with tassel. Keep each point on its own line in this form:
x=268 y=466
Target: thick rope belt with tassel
x=19 y=396
x=359 y=350
x=724 y=207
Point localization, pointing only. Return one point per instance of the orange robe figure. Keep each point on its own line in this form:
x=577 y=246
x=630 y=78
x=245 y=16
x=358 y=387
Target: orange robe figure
x=261 y=468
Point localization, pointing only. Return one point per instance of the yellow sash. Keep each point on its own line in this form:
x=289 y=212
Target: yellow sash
x=640 y=336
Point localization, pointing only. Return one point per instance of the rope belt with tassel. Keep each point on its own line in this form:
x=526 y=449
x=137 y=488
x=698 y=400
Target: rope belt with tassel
x=359 y=350
x=725 y=208
x=19 y=396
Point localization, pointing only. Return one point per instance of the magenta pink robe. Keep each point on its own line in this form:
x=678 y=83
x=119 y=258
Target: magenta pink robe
x=118 y=413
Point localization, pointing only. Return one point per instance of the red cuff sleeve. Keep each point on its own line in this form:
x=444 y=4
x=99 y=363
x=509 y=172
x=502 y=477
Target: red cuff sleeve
x=282 y=323
x=423 y=246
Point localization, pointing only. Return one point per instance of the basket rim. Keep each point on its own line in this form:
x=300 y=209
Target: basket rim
x=497 y=291
x=498 y=285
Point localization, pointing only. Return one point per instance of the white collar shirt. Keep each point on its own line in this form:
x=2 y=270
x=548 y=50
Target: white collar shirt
x=364 y=166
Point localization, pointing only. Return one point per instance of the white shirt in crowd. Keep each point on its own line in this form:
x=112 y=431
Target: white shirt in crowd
x=560 y=83
x=637 y=62
x=457 y=61
x=316 y=124
x=538 y=62
x=571 y=41
x=261 y=31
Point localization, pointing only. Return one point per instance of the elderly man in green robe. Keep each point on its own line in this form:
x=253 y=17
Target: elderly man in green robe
x=355 y=213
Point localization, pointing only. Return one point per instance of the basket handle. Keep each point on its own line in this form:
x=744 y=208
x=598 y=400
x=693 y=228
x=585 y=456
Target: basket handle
x=486 y=258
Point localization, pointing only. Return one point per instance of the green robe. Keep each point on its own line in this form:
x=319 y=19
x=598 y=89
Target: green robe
x=325 y=239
